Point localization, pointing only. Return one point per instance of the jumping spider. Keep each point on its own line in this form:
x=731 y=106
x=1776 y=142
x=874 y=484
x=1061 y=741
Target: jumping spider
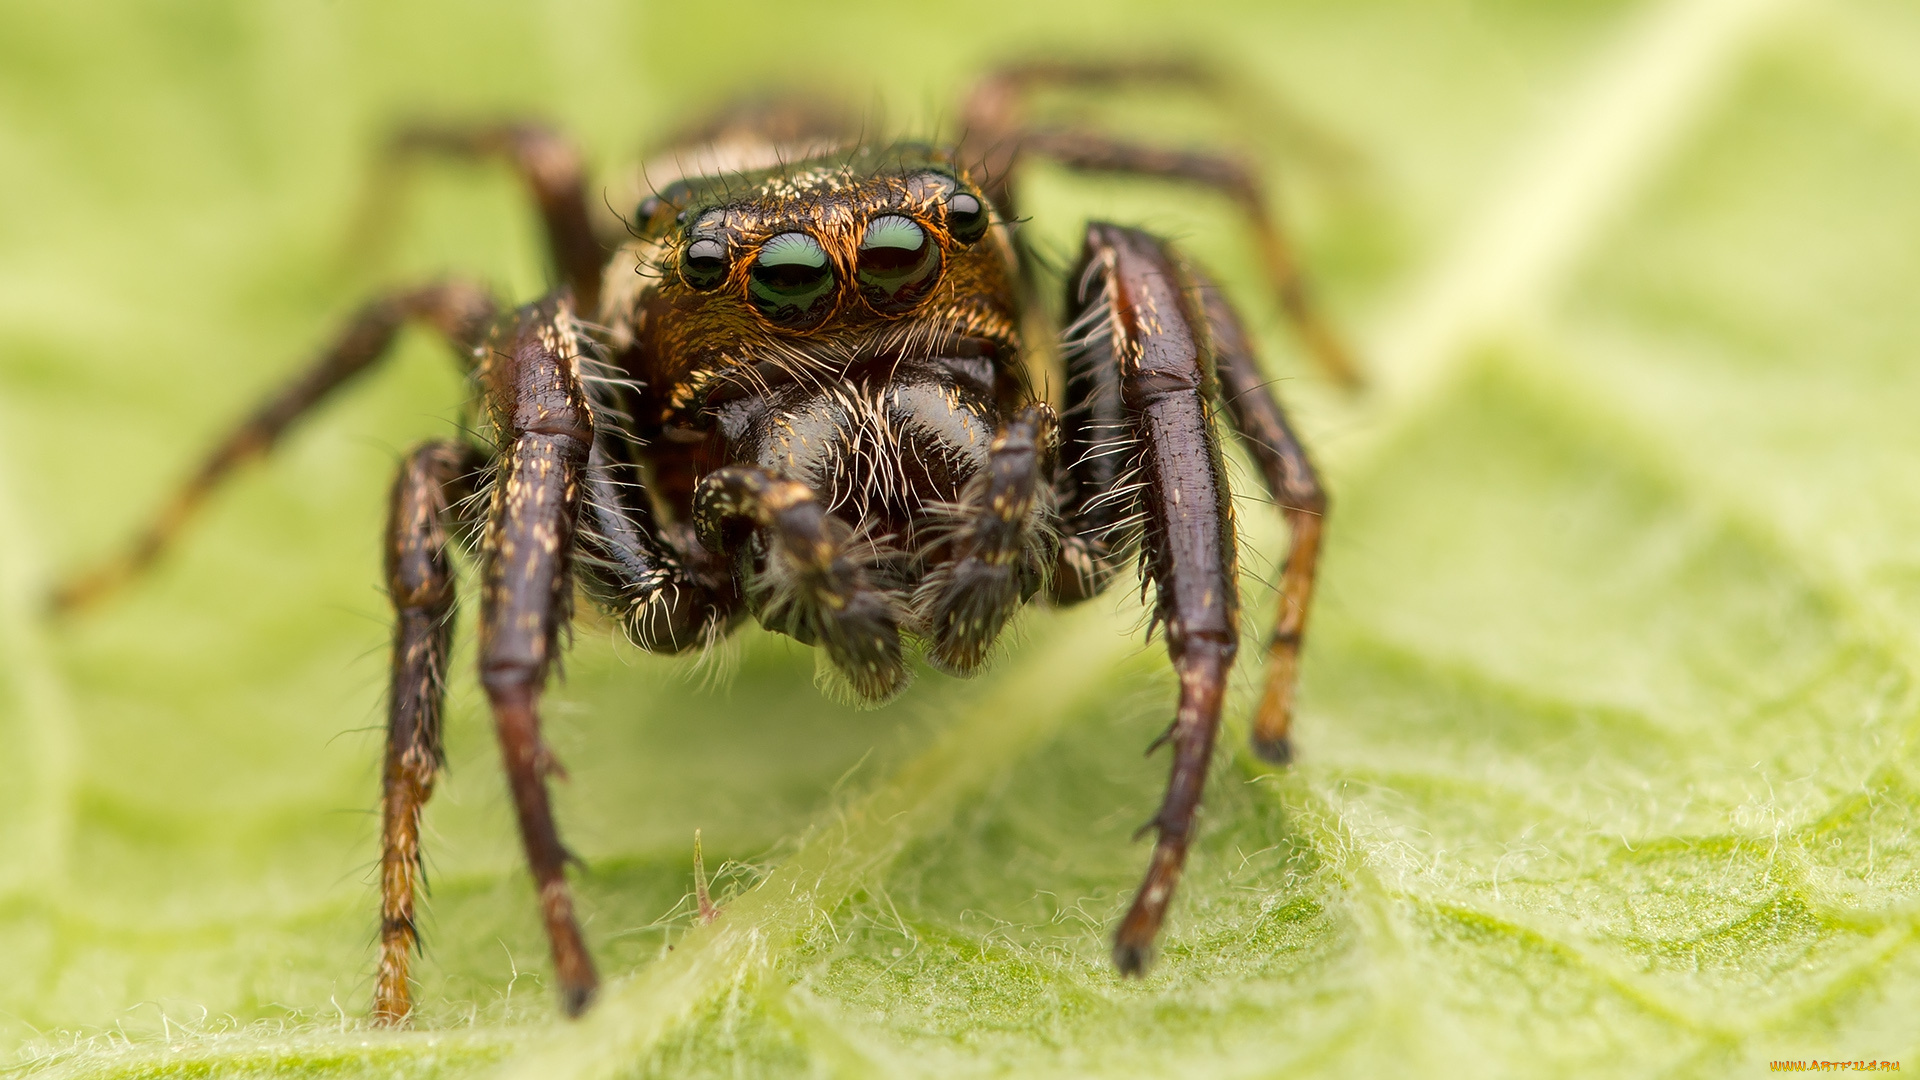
x=804 y=388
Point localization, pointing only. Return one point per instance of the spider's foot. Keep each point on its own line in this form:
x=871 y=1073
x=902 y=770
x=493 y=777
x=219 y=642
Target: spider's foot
x=1273 y=749
x=575 y=998
x=1132 y=958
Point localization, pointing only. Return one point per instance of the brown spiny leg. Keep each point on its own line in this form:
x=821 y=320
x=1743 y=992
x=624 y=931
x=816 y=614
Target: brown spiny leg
x=996 y=108
x=458 y=310
x=1290 y=477
x=787 y=119
x=999 y=133
x=813 y=588
x=554 y=172
x=433 y=479
x=757 y=131
x=1088 y=152
x=545 y=429
x=972 y=594
x=745 y=131
x=1159 y=341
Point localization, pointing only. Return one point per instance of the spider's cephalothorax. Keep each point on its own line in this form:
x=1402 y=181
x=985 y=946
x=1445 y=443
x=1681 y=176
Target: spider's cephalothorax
x=824 y=360
x=803 y=388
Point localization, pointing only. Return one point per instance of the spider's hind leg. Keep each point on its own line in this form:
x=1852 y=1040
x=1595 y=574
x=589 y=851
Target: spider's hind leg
x=1238 y=181
x=458 y=310
x=789 y=122
x=547 y=162
x=1000 y=137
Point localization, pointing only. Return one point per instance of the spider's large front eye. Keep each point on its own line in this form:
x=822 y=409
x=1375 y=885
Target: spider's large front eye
x=704 y=264
x=792 y=281
x=898 y=263
x=966 y=217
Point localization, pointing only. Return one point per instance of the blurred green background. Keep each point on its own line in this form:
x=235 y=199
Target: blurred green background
x=1607 y=738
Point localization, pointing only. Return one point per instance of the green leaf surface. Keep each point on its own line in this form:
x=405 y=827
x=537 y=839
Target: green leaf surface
x=1607 y=747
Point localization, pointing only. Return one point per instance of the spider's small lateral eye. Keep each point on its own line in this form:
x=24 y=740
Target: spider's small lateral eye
x=898 y=263
x=792 y=280
x=966 y=217
x=704 y=264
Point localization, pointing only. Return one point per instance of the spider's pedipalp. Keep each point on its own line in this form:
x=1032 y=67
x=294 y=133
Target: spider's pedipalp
x=811 y=585
x=968 y=597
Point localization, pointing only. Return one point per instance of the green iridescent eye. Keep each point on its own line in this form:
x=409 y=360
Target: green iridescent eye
x=703 y=265
x=966 y=217
x=898 y=263
x=792 y=280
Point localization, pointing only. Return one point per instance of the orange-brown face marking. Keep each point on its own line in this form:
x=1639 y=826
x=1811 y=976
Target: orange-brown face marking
x=818 y=265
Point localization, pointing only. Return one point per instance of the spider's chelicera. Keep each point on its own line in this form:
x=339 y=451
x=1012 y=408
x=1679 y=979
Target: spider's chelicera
x=807 y=389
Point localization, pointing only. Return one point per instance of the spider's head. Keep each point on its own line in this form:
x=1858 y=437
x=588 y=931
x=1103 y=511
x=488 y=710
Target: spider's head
x=838 y=260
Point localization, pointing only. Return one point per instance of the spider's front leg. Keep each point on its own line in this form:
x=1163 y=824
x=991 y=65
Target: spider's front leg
x=556 y=490
x=1139 y=444
x=544 y=423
